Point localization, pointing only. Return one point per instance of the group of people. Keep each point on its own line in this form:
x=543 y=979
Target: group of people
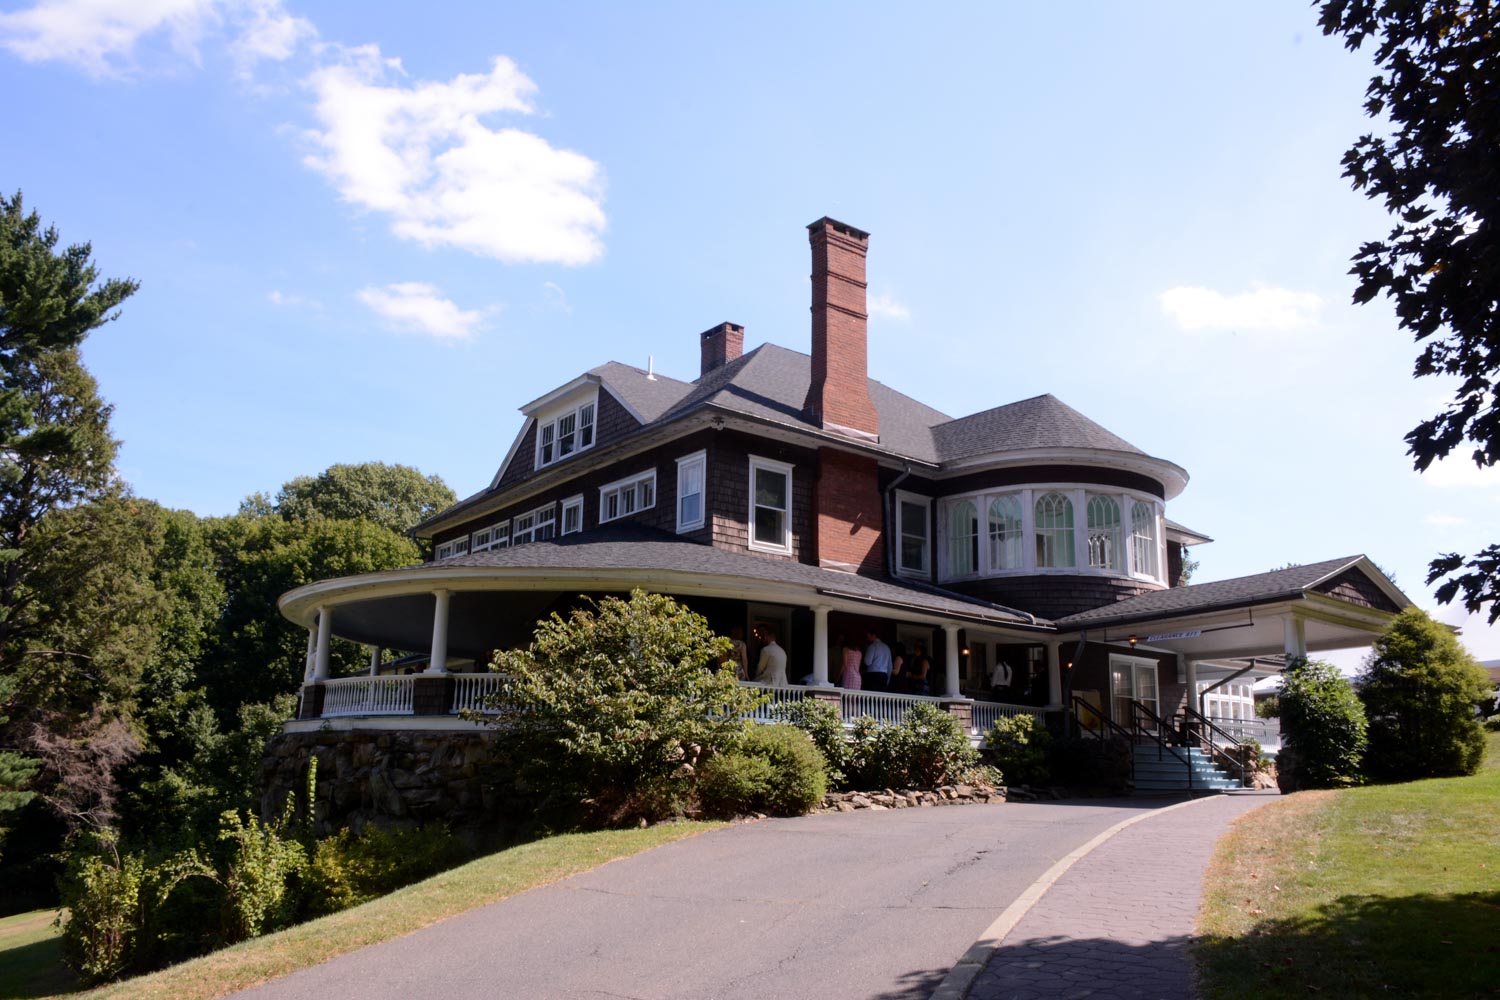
x=874 y=667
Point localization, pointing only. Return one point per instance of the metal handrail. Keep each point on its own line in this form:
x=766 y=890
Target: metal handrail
x=1160 y=733
x=1204 y=739
x=1108 y=723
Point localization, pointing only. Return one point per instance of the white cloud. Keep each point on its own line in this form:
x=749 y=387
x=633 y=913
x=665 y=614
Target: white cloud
x=418 y=152
x=556 y=297
x=1261 y=308
x=1444 y=520
x=421 y=308
x=291 y=300
x=101 y=37
x=1458 y=471
x=886 y=307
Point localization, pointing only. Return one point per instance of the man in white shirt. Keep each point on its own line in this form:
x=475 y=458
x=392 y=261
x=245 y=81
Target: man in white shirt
x=877 y=664
x=771 y=667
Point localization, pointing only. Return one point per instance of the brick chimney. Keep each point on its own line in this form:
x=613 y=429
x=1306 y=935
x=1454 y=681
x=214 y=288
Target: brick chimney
x=839 y=397
x=721 y=345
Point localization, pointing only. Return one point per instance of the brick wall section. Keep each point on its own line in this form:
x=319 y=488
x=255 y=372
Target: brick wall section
x=720 y=345
x=839 y=394
x=611 y=423
x=1053 y=596
x=663 y=515
x=848 y=510
x=1356 y=588
x=729 y=493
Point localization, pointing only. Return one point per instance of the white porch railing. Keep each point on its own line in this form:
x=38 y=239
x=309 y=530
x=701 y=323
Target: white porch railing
x=470 y=691
x=778 y=696
x=882 y=706
x=987 y=713
x=367 y=696
x=1266 y=732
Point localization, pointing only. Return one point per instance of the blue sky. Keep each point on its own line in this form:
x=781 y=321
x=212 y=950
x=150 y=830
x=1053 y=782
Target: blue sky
x=373 y=231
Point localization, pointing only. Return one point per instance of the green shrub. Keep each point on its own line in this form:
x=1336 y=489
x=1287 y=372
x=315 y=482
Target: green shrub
x=263 y=873
x=1420 y=688
x=928 y=748
x=776 y=769
x=1323 y=727
x=823 y=724
x=1018 y=746
x=1493 y=724
x=348 y=869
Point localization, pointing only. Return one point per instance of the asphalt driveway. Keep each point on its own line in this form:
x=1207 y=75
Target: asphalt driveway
x=845 y=905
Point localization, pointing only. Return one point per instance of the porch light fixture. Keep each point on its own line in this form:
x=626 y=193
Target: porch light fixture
x=1132 y=640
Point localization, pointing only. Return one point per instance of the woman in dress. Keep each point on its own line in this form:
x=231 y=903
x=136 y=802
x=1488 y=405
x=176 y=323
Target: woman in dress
x=849 y=668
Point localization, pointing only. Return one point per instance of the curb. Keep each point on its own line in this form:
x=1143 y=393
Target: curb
x=955 y=985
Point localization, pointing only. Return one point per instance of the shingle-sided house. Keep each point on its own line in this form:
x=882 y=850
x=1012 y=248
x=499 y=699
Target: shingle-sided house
x=1028 y=548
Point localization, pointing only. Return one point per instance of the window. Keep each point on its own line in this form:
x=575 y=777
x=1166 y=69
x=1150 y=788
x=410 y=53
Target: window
x=963 y=539
x=625 y=497
x=500 y=537
x=523 y=528
x=572 y=510
x=1103 y=515
x=913 y=520
x=481 y=539
x=1143 y=539
x=1054 y=530
x=565 y=434
x=770 y=505
x=1006 y=544
x=546 y=523
x=690 y=480
x=457 y=547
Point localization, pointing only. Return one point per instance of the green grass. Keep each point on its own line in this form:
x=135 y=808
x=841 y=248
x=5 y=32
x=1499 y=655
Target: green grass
x=1390 y=890
x=477 y=883
x=31 y=957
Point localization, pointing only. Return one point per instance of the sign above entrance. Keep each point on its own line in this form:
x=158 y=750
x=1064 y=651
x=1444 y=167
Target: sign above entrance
x=1191 y=633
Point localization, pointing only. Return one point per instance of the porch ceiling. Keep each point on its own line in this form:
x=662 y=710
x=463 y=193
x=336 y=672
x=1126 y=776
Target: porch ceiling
x=478 y=620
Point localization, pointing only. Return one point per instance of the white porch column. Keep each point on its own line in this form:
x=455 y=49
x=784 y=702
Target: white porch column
x=1191 y=676
x=438 y=661
x=1296 y=637
x=820 y=646
x=325 y=633
x=950 y=660
x=1054 y=674
x=374 y=660
x=312 y=652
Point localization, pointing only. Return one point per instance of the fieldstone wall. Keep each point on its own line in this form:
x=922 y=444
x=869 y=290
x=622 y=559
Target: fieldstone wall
x=392 y=779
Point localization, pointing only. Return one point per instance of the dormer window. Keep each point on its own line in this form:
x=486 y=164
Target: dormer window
x=562 y=435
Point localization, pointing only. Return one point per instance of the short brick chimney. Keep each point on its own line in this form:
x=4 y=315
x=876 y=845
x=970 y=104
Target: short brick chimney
x=721 y=345
x=838 y=399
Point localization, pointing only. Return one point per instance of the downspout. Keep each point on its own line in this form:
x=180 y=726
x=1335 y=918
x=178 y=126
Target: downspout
x=892 y=529
x=1220 y=683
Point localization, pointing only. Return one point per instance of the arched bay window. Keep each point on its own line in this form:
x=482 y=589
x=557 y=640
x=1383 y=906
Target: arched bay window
x=1104 y=532
x=963 y=539
x=1143 y=538
x=1006 y=543
x=1054 y=530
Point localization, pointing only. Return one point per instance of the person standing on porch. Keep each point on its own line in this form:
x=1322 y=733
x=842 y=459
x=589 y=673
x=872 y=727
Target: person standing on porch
x=918 y=670
x=851 y=657
x=877 y=663
x=738 y=653
x=771 y=668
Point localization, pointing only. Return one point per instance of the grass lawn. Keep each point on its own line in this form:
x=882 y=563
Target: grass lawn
x=477 y=883
x=31 y=957
x=1391 y=890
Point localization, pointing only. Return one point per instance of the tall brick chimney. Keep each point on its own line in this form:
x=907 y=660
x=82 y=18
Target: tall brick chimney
x=721 y=345
x=839 y=397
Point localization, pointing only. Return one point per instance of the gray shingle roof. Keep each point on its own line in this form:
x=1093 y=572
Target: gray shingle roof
x=634 y=547
x=1039 y=422
x=648 y=396
x=1280 y=583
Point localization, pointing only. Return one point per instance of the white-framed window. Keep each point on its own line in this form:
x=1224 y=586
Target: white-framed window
x=500 y=536
x=1054 y=530
x=1007 y=533
x=1143 y=543
x=963 y=538
x=626 y=496
x=457 y=547
x=913 y=517
x=572 y=515
x=566 y=433
x=1103 y=514
x=770 y=505
x=522 y=528
x=546 y=523
x=481 y=539
x=692 y=475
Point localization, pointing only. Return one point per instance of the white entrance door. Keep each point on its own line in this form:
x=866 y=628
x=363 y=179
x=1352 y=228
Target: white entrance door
x=1131 y=679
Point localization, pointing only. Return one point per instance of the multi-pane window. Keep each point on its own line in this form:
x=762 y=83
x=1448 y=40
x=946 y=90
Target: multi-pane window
x=914 y=543
x=625 y=497
x=546 y=523
x=500 y=536
x=1054 y=530
x=770 y=505
x=963 y=539
x=457 y=547
x=564 y=434
x=481 y=539
x=691 y=472
x=1103 y=513
x=572 y=515
x=1143 y=538
x=522 y=529
x=1007 y=547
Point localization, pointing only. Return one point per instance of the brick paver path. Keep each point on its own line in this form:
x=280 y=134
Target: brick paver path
x=1117 y=924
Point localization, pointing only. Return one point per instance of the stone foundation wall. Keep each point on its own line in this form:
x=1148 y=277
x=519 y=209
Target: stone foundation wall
x=388 y=778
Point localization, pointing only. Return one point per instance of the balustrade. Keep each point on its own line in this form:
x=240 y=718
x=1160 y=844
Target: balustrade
x=367 y=696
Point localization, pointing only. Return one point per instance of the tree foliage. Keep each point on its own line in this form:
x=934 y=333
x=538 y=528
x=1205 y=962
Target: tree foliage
x=1420 y=688
x=1323 y=727
x=396 y=497
x=1437 y=172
